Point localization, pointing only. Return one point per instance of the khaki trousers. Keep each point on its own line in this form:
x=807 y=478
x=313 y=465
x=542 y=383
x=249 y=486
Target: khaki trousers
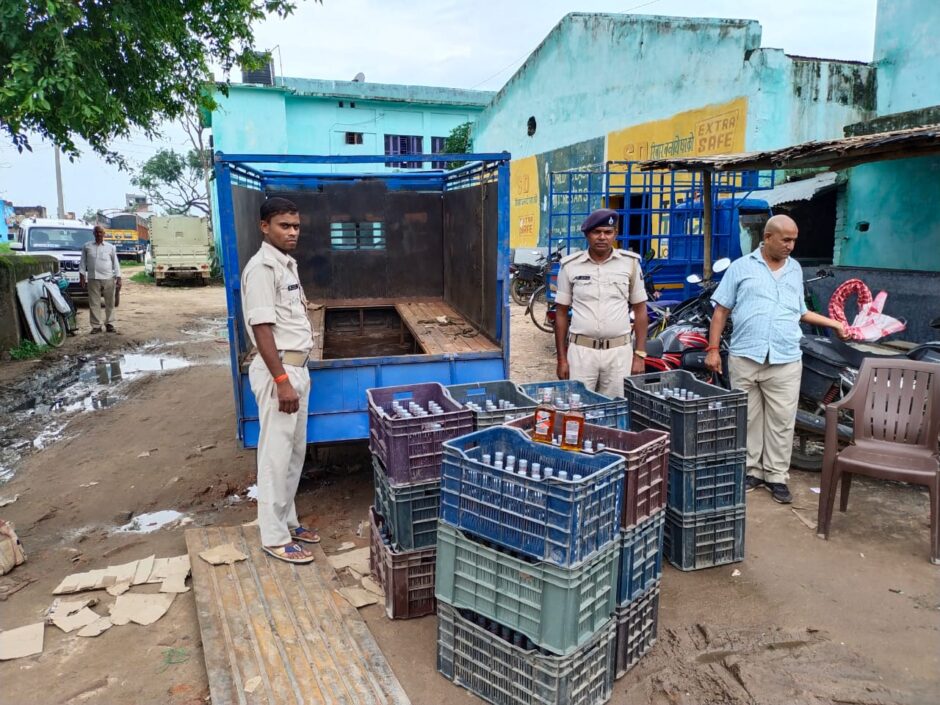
x=282 y=446
x=99 y=289
x=772 y=395
x=601 y=371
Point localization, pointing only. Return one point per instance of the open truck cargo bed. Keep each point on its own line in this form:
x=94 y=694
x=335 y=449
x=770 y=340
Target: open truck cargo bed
x=406 y=274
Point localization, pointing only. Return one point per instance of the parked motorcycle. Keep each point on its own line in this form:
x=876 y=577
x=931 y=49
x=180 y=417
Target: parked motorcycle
x=526 y=278
x=830 y=369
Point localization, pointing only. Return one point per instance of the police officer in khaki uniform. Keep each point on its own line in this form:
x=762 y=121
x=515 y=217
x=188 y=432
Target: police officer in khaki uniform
x=601 y=285
x=276 y=311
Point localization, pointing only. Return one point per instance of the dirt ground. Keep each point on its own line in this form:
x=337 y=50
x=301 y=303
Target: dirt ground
x=853 y=620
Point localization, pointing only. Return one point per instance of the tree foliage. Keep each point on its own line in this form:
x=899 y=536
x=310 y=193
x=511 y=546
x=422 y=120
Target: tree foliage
x=175 y=182
x=458 y=142
x=96 y=69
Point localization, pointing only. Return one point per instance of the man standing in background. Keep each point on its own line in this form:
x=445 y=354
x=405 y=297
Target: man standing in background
x=99 y=271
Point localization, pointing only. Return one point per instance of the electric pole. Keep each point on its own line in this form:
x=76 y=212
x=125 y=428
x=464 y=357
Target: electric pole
x=58 y=183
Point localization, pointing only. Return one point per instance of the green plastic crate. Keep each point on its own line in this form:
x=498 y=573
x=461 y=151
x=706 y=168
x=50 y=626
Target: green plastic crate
x=411 y=511
x=559 y=609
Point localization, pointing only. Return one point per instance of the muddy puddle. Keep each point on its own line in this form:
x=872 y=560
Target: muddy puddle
x=151 y=521
x=41 y=416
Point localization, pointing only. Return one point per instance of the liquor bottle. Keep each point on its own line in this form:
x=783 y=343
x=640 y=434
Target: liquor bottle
x=572 y=424
x=544 y=418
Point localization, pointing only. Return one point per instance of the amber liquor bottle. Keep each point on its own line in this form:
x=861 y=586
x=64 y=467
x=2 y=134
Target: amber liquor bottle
x=544 y=418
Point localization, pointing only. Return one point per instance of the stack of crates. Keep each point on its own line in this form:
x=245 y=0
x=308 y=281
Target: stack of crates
x=493 y=403
x=708 y=425
x=407 y=426
x=527 y=570
x=646 y=462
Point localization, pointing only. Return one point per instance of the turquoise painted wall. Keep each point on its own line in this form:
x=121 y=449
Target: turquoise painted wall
x=907 y=54
x=898 y=200
x=596 y=73
x=276 y=120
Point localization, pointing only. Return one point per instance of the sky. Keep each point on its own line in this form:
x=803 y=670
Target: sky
x=455 y=43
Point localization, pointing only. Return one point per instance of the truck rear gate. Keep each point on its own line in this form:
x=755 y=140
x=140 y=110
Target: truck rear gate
x=406 y=272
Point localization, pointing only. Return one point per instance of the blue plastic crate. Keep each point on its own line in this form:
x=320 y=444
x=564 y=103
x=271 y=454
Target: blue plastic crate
x=598 y=409
x=559 y=521
x=706 y=484
x=641 y=558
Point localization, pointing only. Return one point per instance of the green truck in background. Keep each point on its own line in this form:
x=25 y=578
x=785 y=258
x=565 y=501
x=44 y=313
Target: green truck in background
x=179 y=249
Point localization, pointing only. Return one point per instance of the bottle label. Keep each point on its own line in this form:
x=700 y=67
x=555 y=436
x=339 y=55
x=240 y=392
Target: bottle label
x=542 y=421
x=572 y=429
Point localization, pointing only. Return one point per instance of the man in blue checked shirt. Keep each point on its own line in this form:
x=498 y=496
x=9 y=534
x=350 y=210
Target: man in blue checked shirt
x=763 y=293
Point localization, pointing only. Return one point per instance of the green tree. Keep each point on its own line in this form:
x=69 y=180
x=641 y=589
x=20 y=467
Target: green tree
x=97 y=69
x=458 y=141
x=175 y=182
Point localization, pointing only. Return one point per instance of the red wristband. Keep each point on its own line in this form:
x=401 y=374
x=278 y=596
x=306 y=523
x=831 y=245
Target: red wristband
x=281 y=378
x=711 y=347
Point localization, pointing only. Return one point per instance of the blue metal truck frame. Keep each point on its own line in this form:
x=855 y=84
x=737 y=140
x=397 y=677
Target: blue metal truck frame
x=338 y=408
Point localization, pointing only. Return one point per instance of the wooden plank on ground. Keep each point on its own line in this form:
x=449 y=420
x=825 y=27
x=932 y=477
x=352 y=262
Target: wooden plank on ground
x=283 y=624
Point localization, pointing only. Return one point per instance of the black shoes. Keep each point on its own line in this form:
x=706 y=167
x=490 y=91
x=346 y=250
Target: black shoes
x=752 y=483
x=779 y=492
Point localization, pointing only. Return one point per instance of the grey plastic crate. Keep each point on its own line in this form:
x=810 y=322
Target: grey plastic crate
x=482 y=392
x=504 y=674
x=716 y=423
x=637 y=629
x=706 y=484
x=705 y=539
x=559 y=609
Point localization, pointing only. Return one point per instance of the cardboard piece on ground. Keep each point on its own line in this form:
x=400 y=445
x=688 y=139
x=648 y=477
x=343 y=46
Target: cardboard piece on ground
x=225 y=554
x=252 y=684
x=372 y=586
x=175 y=583
x=102 y=624
x=67 y=607
x=8 y=500
x=141 y=609
x=358 y=597
x=119 y=588
x=78 y=620
x=20 y=642
x=346 y=545
x=358 y=560
x=97 y=579
x=144 y=568
x=159 y=572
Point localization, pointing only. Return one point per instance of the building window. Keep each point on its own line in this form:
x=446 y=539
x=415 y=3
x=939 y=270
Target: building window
x=353 y=138
x=437 y=147
x=357 y=236
x=404 y=144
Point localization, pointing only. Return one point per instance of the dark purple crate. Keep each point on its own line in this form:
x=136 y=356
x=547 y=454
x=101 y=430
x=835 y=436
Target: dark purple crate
x=410 y=449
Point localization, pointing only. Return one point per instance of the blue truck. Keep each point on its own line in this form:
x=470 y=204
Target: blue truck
x=406 y=272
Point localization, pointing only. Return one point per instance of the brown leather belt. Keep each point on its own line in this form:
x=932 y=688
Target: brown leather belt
x=594 y=343
x=294 y=358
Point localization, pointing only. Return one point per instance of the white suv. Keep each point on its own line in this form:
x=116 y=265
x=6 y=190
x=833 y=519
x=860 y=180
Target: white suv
x=62 y=239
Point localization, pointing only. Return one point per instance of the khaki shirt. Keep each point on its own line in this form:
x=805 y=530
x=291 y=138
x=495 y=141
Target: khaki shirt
x=271 y=293
x=600 y=294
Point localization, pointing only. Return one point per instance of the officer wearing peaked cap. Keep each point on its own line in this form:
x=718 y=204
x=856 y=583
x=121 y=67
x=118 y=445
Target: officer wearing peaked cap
x=601 y=285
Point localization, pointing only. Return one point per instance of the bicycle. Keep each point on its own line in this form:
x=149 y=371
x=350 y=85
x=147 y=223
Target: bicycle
x=51 y=323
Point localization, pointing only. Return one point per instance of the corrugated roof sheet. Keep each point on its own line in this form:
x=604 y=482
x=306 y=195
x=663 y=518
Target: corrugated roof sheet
x=803 y=190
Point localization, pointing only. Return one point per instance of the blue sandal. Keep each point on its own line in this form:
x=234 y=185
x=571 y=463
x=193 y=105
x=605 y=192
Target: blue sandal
x=291 y=553
x=302 y=533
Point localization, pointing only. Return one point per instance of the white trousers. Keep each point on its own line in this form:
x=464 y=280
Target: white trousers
x=99 y=289
x=773 y=392
x=282 y=446
x=601 y=371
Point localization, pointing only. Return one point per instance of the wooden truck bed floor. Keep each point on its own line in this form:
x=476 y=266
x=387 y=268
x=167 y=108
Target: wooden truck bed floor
x=437 y=327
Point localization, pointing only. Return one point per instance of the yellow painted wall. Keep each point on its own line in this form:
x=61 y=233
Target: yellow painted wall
x=714 y=129
x=524 y=203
